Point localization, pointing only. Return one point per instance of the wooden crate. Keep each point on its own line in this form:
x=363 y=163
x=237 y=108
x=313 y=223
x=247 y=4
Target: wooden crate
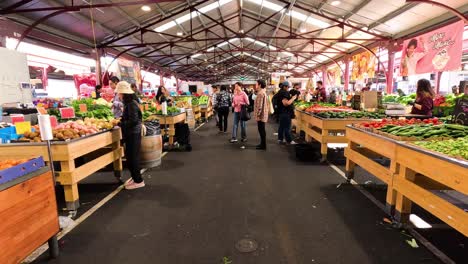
x=28 y=213
x=66 y=152
x=206 y=112
x=196 y=112
x=297 y=121
x=170 y=121
x=326 y=130
x=426 y=171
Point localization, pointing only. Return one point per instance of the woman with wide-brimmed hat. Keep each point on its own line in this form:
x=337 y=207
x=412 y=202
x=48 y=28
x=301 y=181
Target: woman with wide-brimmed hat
x=131 y=131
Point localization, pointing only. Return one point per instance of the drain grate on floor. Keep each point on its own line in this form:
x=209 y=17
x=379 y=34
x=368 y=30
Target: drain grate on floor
x=246 y=245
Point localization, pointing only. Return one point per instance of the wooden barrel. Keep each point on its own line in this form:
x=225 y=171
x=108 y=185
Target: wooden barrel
x=150 y=151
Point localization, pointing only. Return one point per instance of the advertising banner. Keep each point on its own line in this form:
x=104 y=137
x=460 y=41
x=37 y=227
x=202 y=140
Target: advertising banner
x=129 y=71
x=436 y=51
x=363 y=65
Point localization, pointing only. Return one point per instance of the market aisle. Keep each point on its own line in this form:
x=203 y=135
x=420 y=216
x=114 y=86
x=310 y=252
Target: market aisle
x=199 y=204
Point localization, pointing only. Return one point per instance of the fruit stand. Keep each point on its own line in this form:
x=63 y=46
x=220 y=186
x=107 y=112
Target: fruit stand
x=65 y=152
x=325 y=130
x=413 y=179
x=28 y=210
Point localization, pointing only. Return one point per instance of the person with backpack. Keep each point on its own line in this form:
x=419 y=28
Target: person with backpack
x=223 y=102
x=285 y=114
x=239 y=101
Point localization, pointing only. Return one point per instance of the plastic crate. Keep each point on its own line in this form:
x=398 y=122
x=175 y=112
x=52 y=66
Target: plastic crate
x=22 y=169
x=8 y=134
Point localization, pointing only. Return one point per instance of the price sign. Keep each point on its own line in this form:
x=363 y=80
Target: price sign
x=460 y=114
x=22 y=127
x=67 y=112
x=17 y=118
x=53 y=121
x=41 y=110
x=83 y=108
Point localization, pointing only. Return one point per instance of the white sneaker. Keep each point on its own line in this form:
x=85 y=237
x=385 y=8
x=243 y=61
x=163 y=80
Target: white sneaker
x=128 y=182
x=233 y=140
x=135 y=185
x=293 y=143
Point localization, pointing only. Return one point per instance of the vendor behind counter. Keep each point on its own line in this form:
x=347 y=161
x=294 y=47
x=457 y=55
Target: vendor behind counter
x=424 y=103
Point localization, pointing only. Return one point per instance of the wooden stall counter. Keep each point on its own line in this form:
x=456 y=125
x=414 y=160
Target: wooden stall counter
x=29 y=217
x=423 y=173
x=326 y=130
x=206 y=111
x=66 y=152
x=170 y=121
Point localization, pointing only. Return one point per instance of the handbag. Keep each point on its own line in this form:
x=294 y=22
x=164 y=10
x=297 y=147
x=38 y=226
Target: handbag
x=244 y=114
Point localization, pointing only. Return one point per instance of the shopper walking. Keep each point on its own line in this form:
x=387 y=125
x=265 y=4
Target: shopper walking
x=424 y=98
x=223 y=102
x=131 y=132
x=240 y=99
x=214 y=102
x=261 y=110
x=117 y=105
x=286 y=113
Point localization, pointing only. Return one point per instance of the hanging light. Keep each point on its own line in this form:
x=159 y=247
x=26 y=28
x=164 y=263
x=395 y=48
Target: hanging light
x=302 y=30
x=179 y=33
x=335 y=3
x=146 y=8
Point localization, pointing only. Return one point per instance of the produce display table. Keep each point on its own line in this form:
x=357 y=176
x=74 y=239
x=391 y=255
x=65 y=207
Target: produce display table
x=297 y=121
x=326 y=130
x=66 y=152
x=422 y=171
x=363 y=147
x=196 y=112
x=409 y=116
x=171 y=120
x=29 y=217
x=206 y=111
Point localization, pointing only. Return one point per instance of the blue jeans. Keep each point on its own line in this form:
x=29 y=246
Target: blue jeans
x=237 y=119
x=284 y=129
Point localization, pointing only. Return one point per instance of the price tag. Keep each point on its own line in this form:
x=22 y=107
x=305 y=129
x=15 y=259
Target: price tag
x=22 y=127
x=41 y=110
x=67 y=112
x=17 y=118
x=53 y=121
x=83 y=108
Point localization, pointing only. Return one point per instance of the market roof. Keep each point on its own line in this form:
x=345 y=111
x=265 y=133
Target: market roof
x=218 y=40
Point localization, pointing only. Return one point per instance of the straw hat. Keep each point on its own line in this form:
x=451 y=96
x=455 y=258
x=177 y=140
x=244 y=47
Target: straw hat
x=123 y=87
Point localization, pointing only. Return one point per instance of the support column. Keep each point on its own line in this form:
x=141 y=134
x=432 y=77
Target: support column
x=98 y=68
x=390 y=67
x=437 y=82
x=346 y=73
x=324 y=76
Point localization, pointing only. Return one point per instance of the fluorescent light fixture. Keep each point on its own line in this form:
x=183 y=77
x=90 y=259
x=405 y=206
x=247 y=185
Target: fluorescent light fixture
x=196 y=55
x=272 y=47
x=194 y=14
x=179 y=33
x=267 y=4
x=210 y=49
x=222 y=44
x=302 y=30
x=146 y=8
x=287 y=53
x=335 y=3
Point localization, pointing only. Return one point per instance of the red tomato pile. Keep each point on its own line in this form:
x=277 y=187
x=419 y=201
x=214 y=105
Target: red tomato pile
x=320 y=108
x=400 y=122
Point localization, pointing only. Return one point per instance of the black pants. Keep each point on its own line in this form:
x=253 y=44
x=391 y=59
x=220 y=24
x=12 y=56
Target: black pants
x=223 y=113
x=132 y=154
x=262 y=132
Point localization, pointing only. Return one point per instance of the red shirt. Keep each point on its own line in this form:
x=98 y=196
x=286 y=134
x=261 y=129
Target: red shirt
x=322 y=95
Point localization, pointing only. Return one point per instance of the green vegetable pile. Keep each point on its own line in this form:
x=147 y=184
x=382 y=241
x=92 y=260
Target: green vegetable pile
x=427 y=131
x=358 y=114
x=457 y=148
x=390 y=98
x=171 y=110
x=203 y=100
x=95 y=109
x=195 y=101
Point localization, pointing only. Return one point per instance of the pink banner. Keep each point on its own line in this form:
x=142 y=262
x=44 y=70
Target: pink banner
x=437 y=51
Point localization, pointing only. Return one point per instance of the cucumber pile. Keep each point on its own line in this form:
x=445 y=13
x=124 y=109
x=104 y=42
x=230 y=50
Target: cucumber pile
x=358 y=114
x=427 y=131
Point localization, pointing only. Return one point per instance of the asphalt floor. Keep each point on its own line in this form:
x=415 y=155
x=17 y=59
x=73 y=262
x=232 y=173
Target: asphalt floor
x=199 y=204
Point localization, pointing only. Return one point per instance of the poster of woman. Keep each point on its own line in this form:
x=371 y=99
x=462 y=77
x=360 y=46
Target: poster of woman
x=414 y=51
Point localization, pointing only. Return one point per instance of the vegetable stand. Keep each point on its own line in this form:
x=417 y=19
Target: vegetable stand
x=196 y=112
x=206 y=111
x=171 y=120
x=410 y=179
x=66 y=152
x=325 y=130
x=28 y=210
x=424 y=172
